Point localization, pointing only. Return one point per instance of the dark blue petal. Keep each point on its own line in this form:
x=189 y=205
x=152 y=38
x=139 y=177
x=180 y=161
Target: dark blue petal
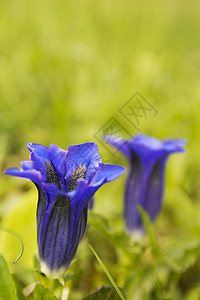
x=38 y=150
x=51 y=190
x=80 y=197
x=85 y=154
x=150 y=149
x=78 y=216
x=148 y=142
x=54 y=233
x=41 y=207
x=47 y=195
x=119 y=143
x=134 y=195
x=175 y=145
x=79 y=230
x=40 y=156
x=107 y=172
x=61 y=224
x=33 y=175
x=27 y=165
x=58 y=160
x=78 y=200
x=155 y=190
x=146 y=191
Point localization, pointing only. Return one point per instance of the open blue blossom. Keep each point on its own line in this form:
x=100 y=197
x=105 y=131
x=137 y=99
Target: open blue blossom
x=65 y=180
x=147 y=157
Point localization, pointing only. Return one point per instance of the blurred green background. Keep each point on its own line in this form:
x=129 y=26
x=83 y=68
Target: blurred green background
x=66 y=68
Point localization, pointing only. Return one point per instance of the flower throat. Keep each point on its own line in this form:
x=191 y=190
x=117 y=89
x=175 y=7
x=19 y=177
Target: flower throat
x=79 y=173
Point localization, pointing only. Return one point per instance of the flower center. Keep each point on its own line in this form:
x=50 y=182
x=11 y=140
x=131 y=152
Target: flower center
x=51 y=174
x=78 y=173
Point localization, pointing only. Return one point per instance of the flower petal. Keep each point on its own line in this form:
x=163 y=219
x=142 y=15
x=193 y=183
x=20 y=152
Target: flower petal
x=54 y=233
x=155 y=190
x=119 y=143
x=134 y=195
x=33 y=175
x=27 y=165
x=78 y=204
x=175 y=145
x=78 y=232
x=150 y=149
x=107 y=172
x=58 y=159
x=41 y=207
x=146 y=141
x=84 y=154
x=80 y=196
x=40 y=156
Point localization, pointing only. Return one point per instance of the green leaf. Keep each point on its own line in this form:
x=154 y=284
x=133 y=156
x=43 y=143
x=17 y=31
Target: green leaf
x=107 y=293
x=190 y=278
x=20 y=295
x=107 y=273
x=68 y=277
x=157 y=251
x=119 y=238
x=150 y=232
x=41 y=277
x=36 y=262
x=98 y=221
x=7 y=288
x=42 y=293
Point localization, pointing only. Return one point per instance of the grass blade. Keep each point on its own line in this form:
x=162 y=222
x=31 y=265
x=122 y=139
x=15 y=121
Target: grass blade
x=107 y=273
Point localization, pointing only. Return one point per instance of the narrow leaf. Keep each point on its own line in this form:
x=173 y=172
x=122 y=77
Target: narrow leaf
x=150 y=232
x=7 y=288
x=107 y=273
x=107 y=293
x=20 y=295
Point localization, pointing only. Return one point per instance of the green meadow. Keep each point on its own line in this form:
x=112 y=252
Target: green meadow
x=68 y=71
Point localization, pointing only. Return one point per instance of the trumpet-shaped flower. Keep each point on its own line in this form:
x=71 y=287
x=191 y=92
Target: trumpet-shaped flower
x=147 y=158
x=65 y=180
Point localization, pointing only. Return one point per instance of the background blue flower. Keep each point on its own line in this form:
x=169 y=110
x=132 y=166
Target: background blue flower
x=147 y=158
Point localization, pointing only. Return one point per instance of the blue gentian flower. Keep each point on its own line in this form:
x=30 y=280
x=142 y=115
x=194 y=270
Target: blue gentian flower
x=65 y=180
x=147 y=158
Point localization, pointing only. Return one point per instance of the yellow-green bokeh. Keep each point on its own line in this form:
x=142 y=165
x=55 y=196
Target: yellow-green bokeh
x=67 y=67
